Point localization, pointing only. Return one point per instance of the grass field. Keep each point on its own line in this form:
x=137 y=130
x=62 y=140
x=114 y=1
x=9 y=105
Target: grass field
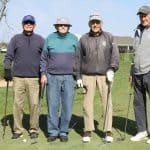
x=120 y=94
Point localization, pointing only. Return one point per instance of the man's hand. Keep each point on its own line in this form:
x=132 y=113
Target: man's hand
x=79 y=83
x=7 y=75
x=110 y=75
x=43 y=80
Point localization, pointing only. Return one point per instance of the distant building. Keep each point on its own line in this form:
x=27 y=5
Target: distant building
x=125 y=43
x=3 y=47
x=3 y=50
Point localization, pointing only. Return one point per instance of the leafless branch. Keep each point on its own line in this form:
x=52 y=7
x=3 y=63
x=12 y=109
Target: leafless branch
x=3 y=9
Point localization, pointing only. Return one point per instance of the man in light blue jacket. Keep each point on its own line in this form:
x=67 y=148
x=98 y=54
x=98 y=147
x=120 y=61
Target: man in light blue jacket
x=141 y=72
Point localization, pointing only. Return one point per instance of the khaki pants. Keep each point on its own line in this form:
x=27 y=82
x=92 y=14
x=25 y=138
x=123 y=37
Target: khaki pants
x=91 y=82
x=29 y=87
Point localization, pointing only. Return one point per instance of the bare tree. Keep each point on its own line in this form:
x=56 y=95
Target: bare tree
x=3 y=9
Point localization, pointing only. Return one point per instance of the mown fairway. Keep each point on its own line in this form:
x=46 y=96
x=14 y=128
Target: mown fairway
x=120 y=92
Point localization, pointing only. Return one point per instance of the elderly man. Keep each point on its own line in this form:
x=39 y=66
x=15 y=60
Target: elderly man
x=141 y=72
x=97 y=58
x=57 y=62
x=25 y=51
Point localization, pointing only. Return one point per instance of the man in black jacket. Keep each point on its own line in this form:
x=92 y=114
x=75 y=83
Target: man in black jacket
x=24 y=50
x=97 y=58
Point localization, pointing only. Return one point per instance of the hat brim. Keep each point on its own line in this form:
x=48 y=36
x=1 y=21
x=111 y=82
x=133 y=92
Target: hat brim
x=69 y=25
x=140 y=12
x=28 y=21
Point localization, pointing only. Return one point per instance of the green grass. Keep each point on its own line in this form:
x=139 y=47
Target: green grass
x=120 y=94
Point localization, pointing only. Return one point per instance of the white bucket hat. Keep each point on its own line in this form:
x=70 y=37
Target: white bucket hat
x=62 y=20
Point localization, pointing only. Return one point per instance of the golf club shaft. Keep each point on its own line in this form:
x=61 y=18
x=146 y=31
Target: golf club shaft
x=42 y=91
x=126 y=123
x=5 y=111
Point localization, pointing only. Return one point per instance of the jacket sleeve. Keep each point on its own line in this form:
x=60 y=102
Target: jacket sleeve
x=9 y=57
x=114 y=63
x=44 y=59
x=77 y=67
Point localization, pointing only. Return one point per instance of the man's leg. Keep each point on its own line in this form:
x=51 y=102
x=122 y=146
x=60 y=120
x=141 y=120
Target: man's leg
x=106 y=102
x=140 y=108
x=32 y=87
x=19 y=93
x=67 y=97
x=53 y=100
x=105 y=91
x=140 y=103
x=90 y=83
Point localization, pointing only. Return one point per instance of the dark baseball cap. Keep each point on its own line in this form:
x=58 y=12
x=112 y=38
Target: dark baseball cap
x=144 y=10
x=28 y=18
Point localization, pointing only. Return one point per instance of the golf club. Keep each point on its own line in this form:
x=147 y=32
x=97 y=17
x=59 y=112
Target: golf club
x=84 y=89
x=74 y=124
x=126 y=121
x=34 y=141
x=42 y=90
x=5 y=111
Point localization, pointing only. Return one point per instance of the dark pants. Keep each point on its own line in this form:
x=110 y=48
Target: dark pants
x=141 y=86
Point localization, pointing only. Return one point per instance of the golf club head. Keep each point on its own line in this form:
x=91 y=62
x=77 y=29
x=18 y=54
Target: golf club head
x=34 y=141
x=4 y=122
x=121 y=139
x=84 y=89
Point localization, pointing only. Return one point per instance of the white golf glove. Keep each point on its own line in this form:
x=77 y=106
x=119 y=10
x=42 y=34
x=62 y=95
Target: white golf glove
x=110 y=75
x=79 y=83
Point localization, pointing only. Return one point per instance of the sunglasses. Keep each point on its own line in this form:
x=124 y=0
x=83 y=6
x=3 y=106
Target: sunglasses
x=63 y=25
x=29 y=22
x=95 y=22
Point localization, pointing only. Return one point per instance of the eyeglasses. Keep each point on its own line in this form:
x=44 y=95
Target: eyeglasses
x=29 y=22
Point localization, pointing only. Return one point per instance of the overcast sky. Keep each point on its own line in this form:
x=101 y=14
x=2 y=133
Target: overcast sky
x=119 y=16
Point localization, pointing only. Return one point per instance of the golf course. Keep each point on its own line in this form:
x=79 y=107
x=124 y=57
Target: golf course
x=124 y=125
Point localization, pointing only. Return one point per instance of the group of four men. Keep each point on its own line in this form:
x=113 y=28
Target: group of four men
x=59 y=62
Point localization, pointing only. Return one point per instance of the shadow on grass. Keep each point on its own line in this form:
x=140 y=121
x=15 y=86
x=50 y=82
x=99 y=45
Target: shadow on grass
x=119 y=124
x=77 y=124
x=43 y=124
x=8 y=121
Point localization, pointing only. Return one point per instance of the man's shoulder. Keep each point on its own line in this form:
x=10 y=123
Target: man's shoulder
x=107 y=33
x=72 y=36
x=52 y=35
x=16 y=36
x=38 y=36
x=85 y=35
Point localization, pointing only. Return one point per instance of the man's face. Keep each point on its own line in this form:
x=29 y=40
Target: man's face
x=62 y=28
x=95 y=25
x=145 y=19
x=28 y=26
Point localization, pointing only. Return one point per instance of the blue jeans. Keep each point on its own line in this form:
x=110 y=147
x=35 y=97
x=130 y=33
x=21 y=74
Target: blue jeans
x=60 y=90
